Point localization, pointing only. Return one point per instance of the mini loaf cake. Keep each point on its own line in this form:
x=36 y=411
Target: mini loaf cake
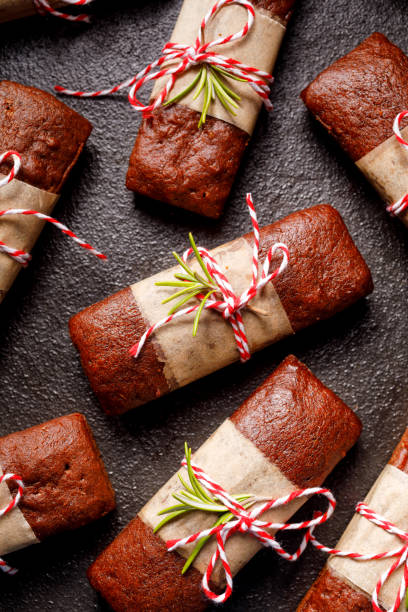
x=288 y=435
x=66 y=484
x=332 y=591
x=357 y=99
x=49 y=136
x=176 y=162
x=326 y=274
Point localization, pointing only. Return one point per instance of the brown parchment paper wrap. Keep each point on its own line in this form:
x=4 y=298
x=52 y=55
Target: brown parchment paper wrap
x=19 y=231
x=15 y=532
x=17 y=9
x=186 y=358
x=386 y=167
x=258 y=49
x=239 y=467
x=389 y=498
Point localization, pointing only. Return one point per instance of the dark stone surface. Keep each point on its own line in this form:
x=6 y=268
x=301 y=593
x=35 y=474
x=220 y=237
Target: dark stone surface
x=290 y=164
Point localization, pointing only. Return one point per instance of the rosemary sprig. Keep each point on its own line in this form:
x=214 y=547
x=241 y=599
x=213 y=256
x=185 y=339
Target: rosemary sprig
x=190 y=285
x=192 y=497
x=210 y=81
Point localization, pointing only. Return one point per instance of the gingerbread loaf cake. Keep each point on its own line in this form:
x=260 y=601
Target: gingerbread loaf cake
x=176 y=162
x=357 y=100
x=66 y=484
x=332 y=591
x=326 y=274
x=288 y=435
x=49 y=136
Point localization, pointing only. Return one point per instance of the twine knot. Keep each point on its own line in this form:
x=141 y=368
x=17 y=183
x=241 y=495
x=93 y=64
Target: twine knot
x=228 y=304
x=178 y=58
x=247 y=522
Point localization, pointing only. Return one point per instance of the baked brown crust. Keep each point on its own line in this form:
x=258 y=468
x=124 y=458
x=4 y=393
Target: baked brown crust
x=399 y=458
x=48 y=134
x=285 y=405
x=358 y=97
x=103 y=334
x=136 y=572
x=176 y=162
x=329 y=592
x=331 y=277
x=282 y=9
x=66 y=484
x=283 y=416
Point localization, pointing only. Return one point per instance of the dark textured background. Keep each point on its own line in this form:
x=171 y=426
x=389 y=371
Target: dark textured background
x=290 y=164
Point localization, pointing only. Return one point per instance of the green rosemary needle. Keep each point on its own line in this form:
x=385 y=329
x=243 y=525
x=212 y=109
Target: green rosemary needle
x=190 y=284
x=210 y=81
x=406 y=600
x=195 y=497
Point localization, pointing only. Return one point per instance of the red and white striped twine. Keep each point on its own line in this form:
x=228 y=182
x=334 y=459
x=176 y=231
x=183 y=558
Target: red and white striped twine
x=185 y=57
x=400 y=554
x=247 y=521
x=402 y=204
x=13 y=504
x=21 y=256
x=230 y=305
x=44 y=7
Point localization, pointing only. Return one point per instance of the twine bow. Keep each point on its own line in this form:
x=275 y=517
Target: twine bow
x=402 y=204
x=21 y=256
x=400 y=554
x=13 y=504
x=230 y=305
x=44 y=7
x=248 y=522
x=183 y=57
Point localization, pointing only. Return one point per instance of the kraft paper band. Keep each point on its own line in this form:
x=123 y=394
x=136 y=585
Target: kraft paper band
x=386 y=167
x=258 y=49
x=15 y=532
x=17 y=9
x=186 y=358
x=238 y=466
x=389 y=498
x=18 y=231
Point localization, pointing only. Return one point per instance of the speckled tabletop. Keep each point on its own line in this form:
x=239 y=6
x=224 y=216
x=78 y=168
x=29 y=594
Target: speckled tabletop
x=290 y=164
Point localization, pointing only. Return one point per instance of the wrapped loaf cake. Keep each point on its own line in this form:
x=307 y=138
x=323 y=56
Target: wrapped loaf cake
x=49 y=136
x=66 y=484
x=174 y=160
x=347 y=584
x=357 y=100
x=326 y=274
x=288 y=435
